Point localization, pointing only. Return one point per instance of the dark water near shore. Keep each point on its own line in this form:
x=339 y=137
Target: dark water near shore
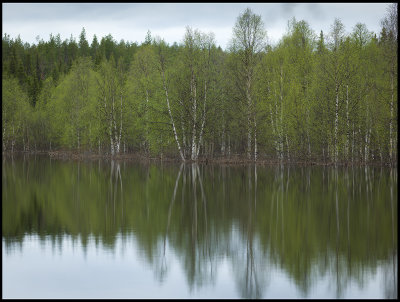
x=104 y=229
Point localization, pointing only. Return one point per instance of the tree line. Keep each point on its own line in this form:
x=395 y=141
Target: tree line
x=327 y=97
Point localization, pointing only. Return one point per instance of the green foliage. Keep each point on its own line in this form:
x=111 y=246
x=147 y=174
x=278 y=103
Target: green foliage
x=16 y=113
x=330 y=98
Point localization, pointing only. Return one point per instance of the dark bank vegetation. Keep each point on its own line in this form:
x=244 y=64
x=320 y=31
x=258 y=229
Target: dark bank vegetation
x=325 y=98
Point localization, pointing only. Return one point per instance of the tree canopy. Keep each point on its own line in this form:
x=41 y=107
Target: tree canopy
x=330 y=97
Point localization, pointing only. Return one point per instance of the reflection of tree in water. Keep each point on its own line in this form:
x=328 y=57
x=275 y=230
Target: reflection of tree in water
x=193 y=232
x=314 y=223
x=250 y=263
x=390 y=269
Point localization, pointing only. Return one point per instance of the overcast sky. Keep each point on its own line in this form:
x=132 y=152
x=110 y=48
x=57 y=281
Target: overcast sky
x=130 y=21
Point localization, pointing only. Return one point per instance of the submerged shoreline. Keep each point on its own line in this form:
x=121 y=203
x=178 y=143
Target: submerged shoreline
x=234 y=160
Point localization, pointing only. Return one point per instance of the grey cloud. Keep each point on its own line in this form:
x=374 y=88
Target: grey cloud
x=133 y=19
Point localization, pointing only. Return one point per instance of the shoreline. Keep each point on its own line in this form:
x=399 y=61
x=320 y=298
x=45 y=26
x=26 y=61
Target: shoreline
x=229 y=161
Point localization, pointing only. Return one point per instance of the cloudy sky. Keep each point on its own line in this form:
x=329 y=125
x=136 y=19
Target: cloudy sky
x=130 y=21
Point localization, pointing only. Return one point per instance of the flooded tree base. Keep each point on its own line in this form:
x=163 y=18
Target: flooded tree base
x=219 y=160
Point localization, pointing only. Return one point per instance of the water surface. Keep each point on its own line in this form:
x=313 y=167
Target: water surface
x=105 y=229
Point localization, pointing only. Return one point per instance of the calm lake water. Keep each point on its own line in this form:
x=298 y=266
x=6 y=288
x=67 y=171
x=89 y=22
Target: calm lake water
x=104 y=229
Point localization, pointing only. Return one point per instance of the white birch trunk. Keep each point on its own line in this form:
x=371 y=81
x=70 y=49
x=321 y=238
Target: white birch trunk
x=336 y=123
x=229 y=145
x=111 y=139
x=360 y=146
x=352 y=145
x=248 y=119
x=367 y=131
x=280 y=131
x=147 y=121
x=274 y=133
x=172 y=120
x=4 y=137
x=120 y=127
x=203 y=120
x=347 y=123
x=288 y=151
x=194 y=110
x=391 y=122
x=184 y=145
x=255 y=138
x=13 y=140
x=223 y=135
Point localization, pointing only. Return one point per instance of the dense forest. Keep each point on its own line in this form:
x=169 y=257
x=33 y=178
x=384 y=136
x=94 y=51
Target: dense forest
x=326 y=97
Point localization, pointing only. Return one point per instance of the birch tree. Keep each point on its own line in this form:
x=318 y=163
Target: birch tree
x=390 y=50
x=111 y=103
x=162 y=64
x=335 y=74
x=198 y=49
x=248 y=41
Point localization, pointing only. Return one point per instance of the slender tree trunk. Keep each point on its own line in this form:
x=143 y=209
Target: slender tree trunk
x=287 y=143
x=347 y=124
x=280 y=130
x=336 y=123
x=120 y=129
x=248 y=118
x=170 y=115
x=147 y=122
x=367 y=135
x=352 y=146
x=360 y=143
x=203 y=120
x=184 y=145
x=194 y=110
x=223 y=135
x=255 y=138
x=229 y=145
x=4 y=131
x=391 y=121
x=274 y=134
x=13 y=140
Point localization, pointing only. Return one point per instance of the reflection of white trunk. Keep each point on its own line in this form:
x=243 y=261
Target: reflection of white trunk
x=173 y=201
